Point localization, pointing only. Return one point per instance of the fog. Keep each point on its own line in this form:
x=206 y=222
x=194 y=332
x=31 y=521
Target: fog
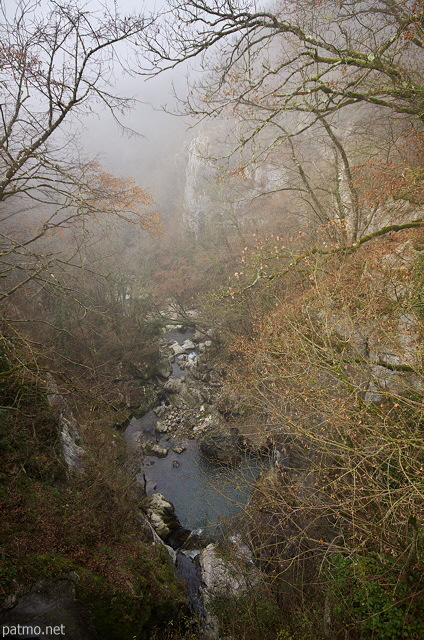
x=150 y=146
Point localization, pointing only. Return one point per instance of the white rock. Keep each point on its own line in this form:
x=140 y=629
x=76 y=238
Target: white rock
x=177 y=348
x=161 y=427
x=227 y=576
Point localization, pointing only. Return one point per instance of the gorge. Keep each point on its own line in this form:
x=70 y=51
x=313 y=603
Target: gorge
x=211 y=356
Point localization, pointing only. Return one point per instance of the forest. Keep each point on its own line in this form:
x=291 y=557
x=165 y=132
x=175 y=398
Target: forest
x=247 y=261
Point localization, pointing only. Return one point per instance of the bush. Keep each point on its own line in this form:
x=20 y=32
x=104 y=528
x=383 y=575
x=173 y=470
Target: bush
x=366 y=593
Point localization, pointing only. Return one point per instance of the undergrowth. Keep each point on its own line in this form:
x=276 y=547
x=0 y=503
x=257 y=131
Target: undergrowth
x=53 y=524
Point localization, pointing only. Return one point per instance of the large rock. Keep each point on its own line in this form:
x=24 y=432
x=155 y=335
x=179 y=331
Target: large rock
x=183 y=395
x=160 y=411
x=188 y=344
x=164 y=368
x=162 y=517
x=150 y=448
x=174 y=385
x=140 y=398
x=222 y=446
x=227 y=573
x=177 y=348
x=162 y=427
x=227 y=576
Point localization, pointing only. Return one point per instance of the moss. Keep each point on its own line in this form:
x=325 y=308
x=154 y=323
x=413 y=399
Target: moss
x=53 y=526
x=152 y=597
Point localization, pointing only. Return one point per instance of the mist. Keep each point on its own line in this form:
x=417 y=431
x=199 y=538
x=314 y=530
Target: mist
x=149 y=144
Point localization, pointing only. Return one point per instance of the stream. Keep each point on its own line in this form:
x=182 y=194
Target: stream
x=207 y=497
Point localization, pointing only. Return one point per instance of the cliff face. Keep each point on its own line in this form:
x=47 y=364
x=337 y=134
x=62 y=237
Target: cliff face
x=323 y=178
x=222 y=190
x=200 y=174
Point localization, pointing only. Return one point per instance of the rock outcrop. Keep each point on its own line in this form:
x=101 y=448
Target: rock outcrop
x=224 y=574
x=73 y=452
x=162 y=516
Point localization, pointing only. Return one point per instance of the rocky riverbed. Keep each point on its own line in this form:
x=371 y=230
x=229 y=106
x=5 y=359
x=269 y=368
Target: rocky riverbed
x=198 y=472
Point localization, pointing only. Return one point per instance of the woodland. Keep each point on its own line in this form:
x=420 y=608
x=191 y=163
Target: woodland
x=294 y=228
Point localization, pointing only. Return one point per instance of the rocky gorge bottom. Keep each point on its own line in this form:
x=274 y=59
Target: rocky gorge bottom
x=198 y=473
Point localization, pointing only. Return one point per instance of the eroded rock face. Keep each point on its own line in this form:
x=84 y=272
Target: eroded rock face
x=223 y=575
x=70 y=438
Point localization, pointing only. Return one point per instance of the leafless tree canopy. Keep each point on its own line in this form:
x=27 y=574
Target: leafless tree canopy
x=56 y=66
x=320 y=55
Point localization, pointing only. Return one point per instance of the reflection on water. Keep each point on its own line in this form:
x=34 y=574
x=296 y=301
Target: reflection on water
x=205 y=496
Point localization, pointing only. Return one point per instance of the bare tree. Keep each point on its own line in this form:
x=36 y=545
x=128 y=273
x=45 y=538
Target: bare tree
x=55 y=66
x=300 y=67
x=320 y=56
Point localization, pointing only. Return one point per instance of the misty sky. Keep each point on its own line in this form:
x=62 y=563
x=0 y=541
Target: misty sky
x=161 y=134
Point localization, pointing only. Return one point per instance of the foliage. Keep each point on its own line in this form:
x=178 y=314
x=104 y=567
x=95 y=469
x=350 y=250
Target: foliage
x=365 y=592
x=252 y=615
x=332 y=354
x=88 y=525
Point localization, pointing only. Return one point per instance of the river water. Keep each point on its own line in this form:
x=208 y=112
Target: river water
x=205 y=496
x=208 y=498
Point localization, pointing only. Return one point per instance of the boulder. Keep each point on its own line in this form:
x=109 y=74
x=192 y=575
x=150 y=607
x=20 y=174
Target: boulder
x=150 y=448
x=222 y=446
x=206 y=423
x=229 y=575
x=160 y=411
x=174 y=385
x=178 y=450
x=177 y=348
x=188 y=344
x=163 y=369
x=141 y=398
x=162 y=517
x=162 y=427
x=183 y=395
